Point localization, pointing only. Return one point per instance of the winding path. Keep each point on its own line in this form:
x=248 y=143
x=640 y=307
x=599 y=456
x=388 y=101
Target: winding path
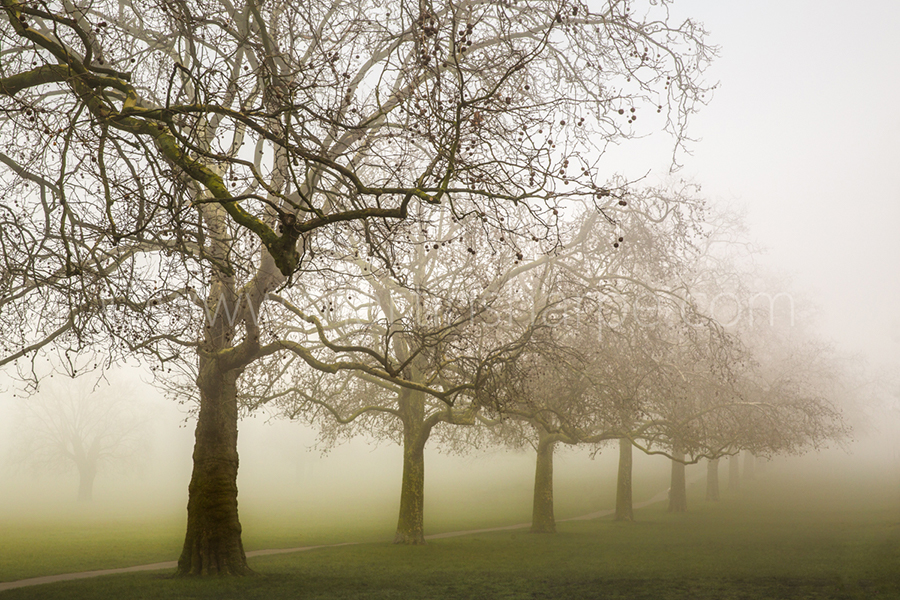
x=9 y=585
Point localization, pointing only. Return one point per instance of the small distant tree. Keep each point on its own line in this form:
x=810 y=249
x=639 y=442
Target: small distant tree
x=712 y=480
x=83 y=425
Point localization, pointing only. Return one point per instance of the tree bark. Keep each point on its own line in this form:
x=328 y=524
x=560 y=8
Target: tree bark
x=734 y=473
x=712 y=480
x=749 y=471
x=212 y=545
x=542 y=517
x=678 y=487
x=624 y=504
x=86 y=475
x=411 y=522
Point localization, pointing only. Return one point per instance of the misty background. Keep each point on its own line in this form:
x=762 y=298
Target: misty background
x=803 y=135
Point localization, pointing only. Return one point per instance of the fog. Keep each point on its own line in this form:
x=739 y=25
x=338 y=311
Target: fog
x=286 y=473
x=802 y=138
x=285 y=468
x=803 y=132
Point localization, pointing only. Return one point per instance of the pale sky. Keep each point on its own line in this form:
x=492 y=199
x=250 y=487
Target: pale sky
x=804 y=131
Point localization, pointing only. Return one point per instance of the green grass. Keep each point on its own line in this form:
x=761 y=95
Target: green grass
x=50 y=546
x=784 y=537
x=91 y=541
x=106 y=536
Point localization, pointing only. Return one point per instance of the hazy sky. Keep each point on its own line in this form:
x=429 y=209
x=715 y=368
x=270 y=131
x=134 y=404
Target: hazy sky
x=805 y=132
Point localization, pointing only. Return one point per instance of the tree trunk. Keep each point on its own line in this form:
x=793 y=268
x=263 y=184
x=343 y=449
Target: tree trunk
x=678 y=487
x=411 y=524
x=734 y=473
x=212 y=545
x=86 y=475
x=542 y=518
x=749 y=471
x=712 y=480
x=624 y=508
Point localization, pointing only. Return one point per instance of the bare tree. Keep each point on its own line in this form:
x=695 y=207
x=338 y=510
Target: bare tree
x=544 y=393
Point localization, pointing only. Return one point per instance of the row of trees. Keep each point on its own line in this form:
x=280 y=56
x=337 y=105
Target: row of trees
x=391 y=213
x=590 y=343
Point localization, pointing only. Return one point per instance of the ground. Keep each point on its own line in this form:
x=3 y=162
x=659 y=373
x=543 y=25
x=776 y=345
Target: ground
x=783 y=537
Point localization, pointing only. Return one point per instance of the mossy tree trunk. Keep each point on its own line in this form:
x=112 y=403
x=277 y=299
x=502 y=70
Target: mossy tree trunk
x=734 y=473
x=678 y=487
x=624 y=503
x=712 y=480
x=212 y=545
x=411 y=522
x=542 y=517
x=417 y=428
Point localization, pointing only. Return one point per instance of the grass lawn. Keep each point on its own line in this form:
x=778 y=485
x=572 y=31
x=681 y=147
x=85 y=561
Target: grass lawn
x=91 y=541
x=30 y=548
x=104 y=535
x=784 y=537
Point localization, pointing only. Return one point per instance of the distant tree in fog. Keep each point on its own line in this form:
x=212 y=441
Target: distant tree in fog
x=622 y=363
x=82 y=425
x=785 y=385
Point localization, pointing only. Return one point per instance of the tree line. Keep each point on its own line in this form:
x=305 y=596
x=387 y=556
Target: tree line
x=385 y=215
